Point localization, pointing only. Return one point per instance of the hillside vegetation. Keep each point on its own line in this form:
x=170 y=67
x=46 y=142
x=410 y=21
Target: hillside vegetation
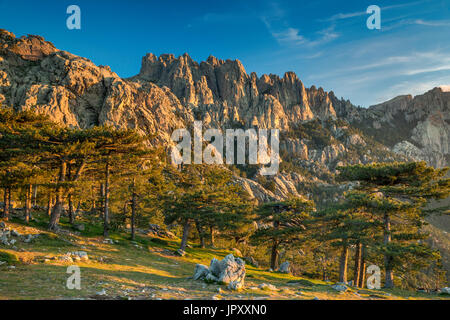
x=145 y=269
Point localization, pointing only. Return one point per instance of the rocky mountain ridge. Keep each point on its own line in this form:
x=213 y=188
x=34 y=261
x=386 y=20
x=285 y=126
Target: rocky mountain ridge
x=319 y=131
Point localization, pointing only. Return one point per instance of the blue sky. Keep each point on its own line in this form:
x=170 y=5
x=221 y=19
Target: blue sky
x=326 y=43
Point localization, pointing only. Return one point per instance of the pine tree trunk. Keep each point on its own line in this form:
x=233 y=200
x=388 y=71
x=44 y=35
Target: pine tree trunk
x=133 y=213
x=71 y=213
x=35 y=190
x=5 y=203
x=212 y=239
x=28 y=195
x=102 y=200
x=49 y=204
x=389 y=272
x=362 y=271
x=274 y=256
x=57 y=208
x=343 y=264
x=357 y=264
x=106 y=208
x=8 y=205
x=184 y=238
x=200 y=234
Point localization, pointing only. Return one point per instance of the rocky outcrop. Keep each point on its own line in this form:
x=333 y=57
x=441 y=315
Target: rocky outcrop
x=224 y=93
x=229 y=271
x=74 y=91
x=255 y=190
x=169 y=92
x=422 y=121
x=295 y=147
x=284 y=186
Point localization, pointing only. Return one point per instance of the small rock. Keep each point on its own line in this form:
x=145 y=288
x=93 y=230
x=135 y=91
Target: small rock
x=80 y=227
x=236 y=285
x=101 y=293
x=340 y=287
x=267 y=286
x=181 y=253
x=14 y=233
x=445 y=290
x=285 y=267
x=65 y=258
x=28 y=238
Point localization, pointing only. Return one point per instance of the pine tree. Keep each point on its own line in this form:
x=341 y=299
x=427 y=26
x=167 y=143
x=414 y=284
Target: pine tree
x=397 y=194
x=206 y=196
x=112 y=147
x=282 y=223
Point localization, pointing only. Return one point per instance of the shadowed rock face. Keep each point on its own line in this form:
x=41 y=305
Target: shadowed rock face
x=417 y=127
x=169 y=92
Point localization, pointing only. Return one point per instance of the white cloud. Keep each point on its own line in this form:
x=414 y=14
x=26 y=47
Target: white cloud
x=418 y=22
x=435 y=23
x=414 y=87
x=289 y=36
x=292 y=37
x=343 y=16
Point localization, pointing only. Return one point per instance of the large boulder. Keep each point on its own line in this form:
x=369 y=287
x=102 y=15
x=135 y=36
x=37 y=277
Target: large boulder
x=200 y=272
x=230 y=271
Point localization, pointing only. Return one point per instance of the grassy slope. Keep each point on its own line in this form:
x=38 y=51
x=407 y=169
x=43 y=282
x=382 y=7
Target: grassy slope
x=143 y=270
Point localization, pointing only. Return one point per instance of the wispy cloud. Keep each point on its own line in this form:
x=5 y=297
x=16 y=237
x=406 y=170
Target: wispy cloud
x=292 y=37
x=348 y=15
x=437 y=23
x=401 y=65
x=420 y=22
x=414 y=88
x=342 y=16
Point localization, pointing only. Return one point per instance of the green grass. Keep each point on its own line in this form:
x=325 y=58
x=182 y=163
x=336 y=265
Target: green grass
x=9 y=258
x=148 y=271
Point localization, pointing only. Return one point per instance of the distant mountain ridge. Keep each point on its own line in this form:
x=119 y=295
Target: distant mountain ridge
x=169 y=92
